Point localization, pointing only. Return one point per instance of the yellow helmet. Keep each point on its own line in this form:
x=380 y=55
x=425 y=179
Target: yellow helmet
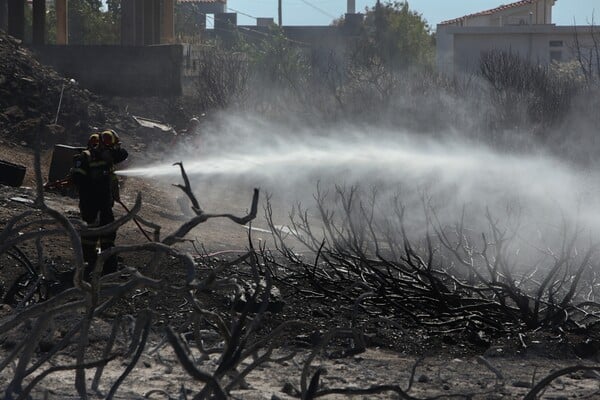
x=93 y=141
x=109 y=138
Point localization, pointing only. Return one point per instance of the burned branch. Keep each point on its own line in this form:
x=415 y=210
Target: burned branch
x=96 y=296
x=445 y=283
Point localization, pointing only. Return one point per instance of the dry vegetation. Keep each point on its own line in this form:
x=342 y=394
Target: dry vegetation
x=368 y=281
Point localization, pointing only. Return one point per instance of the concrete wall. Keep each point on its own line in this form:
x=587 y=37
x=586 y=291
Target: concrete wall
x=119 y=70
x=310 y=36
x=459 y=48
x=4 y=15
x=212 y=8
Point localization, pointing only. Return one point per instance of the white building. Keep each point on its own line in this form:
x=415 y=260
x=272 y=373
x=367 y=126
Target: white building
x=524 y=28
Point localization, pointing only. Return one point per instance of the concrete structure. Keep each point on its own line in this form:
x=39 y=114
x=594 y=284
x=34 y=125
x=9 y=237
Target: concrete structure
x=12 y=18
x=351 y=7
x=139 y=67
x=321 y=36
x=4 y=15
x=225 y=25
x=39 y=22
x=198 y=10
x=147 y=22
x=131 y=71
x=208 y=6
x=525 y=12
x=16 y=18
x=143 y=22
x=524 y=28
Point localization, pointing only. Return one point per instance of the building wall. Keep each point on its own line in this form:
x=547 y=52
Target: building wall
x=118 y=70
x=4 y=15
x=459 y=49
x=539 y=13
x=213 y=8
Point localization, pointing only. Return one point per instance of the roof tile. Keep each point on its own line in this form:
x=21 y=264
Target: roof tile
x=489 y=12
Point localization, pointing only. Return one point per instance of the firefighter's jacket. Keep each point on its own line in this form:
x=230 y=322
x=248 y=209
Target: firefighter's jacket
x=93 y=171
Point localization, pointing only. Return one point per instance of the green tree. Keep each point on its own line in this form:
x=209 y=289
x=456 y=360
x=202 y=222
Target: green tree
x=114 y=6
x=279 y=60
x=90 y=24
x=395 y=35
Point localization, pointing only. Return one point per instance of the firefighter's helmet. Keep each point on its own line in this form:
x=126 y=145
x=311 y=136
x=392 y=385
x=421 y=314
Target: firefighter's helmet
x=93 y=141
x=109 y=138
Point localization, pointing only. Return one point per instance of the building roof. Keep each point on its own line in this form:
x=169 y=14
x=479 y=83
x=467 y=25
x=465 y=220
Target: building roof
x=489 y=12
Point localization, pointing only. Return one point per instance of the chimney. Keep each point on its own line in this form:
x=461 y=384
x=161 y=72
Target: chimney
x=265 y=22
x=351 y=7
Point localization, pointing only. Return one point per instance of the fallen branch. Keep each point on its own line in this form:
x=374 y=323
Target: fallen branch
x=541 y=385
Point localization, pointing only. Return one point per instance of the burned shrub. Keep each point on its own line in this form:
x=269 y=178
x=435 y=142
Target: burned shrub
x=222 y=79
x=525 y=93
x=446 y=279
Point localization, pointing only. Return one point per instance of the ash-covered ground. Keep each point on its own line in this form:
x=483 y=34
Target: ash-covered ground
x=402 y=355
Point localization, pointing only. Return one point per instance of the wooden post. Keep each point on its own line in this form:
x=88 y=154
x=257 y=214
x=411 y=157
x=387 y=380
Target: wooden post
x=4 y=15
x=148 y=16
x=139 y=22
x=127 y=22
x=39 y=22
x=156 y=25
x=62 y=28
x=16 y=18
x=168 y=22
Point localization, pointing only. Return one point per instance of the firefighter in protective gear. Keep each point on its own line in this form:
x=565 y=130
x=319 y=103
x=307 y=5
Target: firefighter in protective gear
x=93 y=175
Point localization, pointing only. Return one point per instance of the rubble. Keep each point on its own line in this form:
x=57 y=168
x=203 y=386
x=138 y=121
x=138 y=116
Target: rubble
x=30 y=91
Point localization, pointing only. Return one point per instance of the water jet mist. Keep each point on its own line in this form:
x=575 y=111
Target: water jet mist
x=451 y=172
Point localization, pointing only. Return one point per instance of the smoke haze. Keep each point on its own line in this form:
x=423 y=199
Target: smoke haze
x=539 y=191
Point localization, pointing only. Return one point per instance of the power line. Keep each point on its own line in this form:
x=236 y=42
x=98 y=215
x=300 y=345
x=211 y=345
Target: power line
x=304 y=1
x=252 y=32
x=242 y=13
x=318 y=9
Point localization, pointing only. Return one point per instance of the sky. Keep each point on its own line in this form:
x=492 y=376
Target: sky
x=322 y=12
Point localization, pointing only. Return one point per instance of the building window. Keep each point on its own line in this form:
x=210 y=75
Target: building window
x=556 y=43
x=556 y=56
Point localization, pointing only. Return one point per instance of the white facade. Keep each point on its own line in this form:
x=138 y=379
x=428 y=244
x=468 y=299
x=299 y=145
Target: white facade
x=524 y=28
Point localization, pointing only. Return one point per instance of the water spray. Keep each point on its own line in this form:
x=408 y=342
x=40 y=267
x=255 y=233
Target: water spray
x=455 y=173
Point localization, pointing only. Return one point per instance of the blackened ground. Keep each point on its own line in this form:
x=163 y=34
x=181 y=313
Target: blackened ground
x=299 y=300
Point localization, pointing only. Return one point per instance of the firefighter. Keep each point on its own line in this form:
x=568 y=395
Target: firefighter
x=97 y=185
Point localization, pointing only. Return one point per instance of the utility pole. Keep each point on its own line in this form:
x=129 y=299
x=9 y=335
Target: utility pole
x=279 y=12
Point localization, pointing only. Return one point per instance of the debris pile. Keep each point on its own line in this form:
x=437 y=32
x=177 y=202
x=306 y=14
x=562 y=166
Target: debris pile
x=30 y=91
